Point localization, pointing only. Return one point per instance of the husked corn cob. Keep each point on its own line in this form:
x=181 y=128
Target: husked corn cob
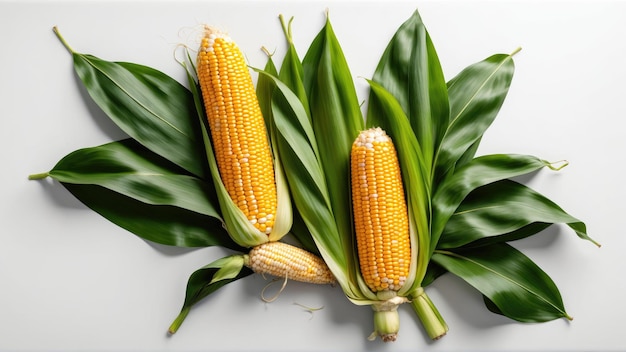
x=380 y=212
x=237 y=127
x=284 y=260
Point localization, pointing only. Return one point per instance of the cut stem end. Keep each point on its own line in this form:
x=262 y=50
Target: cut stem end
x=178 y=321
x=428 y=314
x=39 y=176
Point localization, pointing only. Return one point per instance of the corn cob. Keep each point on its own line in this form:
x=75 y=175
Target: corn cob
x=284 y=260
x=244 y=157
x=237 y=127
x=380 y=212
x=381 y=225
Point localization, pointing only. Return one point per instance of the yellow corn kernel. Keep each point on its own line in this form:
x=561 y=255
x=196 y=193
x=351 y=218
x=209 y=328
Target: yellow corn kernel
x=284 y=260
x=240 y=142
x=380 y=212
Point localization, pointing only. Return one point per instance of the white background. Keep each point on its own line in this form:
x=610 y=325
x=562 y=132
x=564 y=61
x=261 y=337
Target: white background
x=70 y=280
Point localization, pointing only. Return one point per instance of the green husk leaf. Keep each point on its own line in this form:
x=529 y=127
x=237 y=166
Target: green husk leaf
x=162 y=224
x=148 y=105
x=291 y=70
x=509 y=279
x=207 y=280
x=502 y=208
x=306 y=180
x=130 y=169
x=265 y=93
x=336 y=119
x=284 y=211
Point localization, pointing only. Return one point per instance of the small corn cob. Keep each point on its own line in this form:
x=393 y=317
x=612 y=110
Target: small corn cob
x=284 y=260
x=237 y=127
x=380 y=212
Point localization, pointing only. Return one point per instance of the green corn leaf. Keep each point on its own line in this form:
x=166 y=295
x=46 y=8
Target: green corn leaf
x=162 y=224
x=518 y=234
x=128 y=168
x=476 y=95
x=479 y=172
x=502 y=208
x=336 y=119
x=410 y=70
x=148 y=105
x=207 y=280
x=509 y=279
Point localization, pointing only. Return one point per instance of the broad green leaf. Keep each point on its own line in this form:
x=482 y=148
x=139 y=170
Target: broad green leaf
x=410 y=70
x=162 y=224
x=509 y=279
x=336 y=118
x=501 y=208
x=476 y=95
x=209 y=279
x=149 y=106
x=479 y=172
x=128 y=168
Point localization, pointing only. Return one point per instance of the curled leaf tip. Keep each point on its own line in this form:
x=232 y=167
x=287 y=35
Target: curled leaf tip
x=286 y=28
x=557 y=165
x=267 y=52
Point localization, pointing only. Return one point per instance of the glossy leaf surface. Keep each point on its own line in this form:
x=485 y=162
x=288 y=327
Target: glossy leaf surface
x=509 y=279
x=478 y=172
x=166 y=225
x=336 y=119
x=476 y=95
x=128 y=168
x=502 y=208
x=148 y=105
x=409 y=69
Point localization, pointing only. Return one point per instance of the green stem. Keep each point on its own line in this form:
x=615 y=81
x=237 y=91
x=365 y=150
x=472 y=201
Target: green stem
x=428 y=314
x=55 y=29
x=178 y=321
x=39 y=176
